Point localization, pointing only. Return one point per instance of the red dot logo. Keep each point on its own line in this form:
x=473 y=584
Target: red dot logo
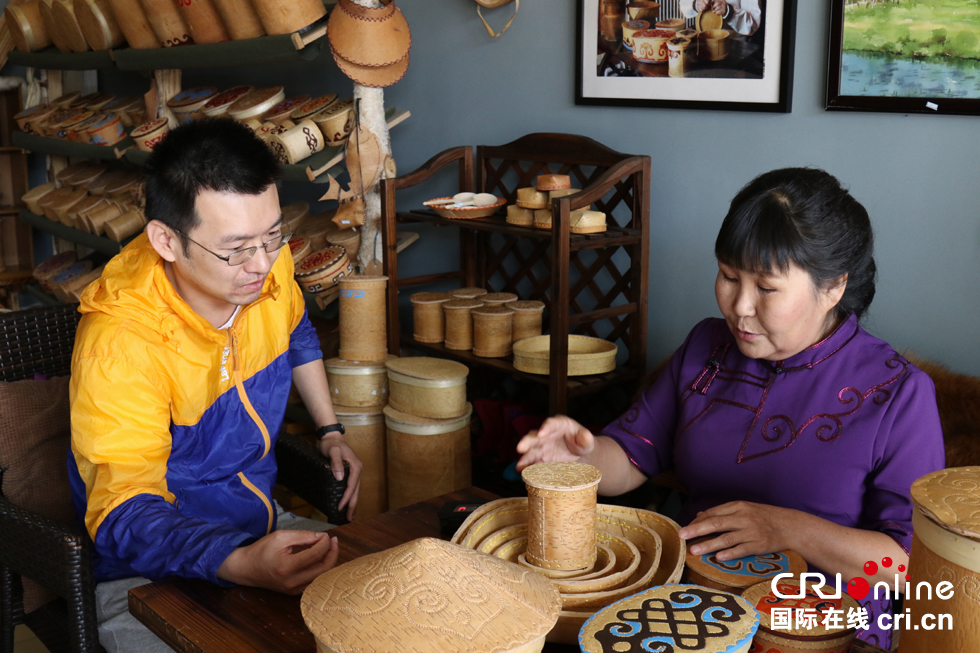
x=901 y=567
x=858 y=588
x=871 y=567
x=886 y=562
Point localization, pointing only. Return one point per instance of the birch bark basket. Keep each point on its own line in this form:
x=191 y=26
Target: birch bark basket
x=372 y=117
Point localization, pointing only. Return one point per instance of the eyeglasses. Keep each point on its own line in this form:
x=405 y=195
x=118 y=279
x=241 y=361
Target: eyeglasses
x=243 y=256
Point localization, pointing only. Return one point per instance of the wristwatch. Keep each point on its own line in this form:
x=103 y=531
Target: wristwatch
x=332 y=428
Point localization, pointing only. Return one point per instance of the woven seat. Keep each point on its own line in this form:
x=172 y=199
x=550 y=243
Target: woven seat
x=40 y=341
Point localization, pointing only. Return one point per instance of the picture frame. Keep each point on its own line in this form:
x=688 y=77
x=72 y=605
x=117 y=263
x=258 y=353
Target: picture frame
x=905 y=63
x=751 y=71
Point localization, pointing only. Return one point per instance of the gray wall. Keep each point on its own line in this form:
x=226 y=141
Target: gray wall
x=916 y=174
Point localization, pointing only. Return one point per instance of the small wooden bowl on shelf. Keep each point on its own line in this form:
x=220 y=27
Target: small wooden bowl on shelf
x=586 y=355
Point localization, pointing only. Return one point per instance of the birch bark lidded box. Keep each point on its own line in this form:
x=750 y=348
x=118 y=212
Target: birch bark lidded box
x=824 y=628
x=561 y=514
x=427 y=387
x=430 y=596
x=673 y=618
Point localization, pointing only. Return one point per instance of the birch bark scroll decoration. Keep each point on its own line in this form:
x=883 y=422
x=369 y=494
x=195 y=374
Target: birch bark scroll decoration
x=370 y=41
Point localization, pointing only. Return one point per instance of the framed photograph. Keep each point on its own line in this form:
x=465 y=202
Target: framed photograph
x=734 y=55
x=909 y=57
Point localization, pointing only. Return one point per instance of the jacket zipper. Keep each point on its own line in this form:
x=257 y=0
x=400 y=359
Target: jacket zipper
x=240 y=387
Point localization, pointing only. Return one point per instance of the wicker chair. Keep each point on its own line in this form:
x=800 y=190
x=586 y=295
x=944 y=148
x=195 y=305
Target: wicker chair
x=58 y=557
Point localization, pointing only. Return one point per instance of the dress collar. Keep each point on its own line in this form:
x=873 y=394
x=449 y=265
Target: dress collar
x=817 y=352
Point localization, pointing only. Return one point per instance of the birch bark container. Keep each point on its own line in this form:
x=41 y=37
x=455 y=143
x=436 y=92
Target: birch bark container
x=426 y=457
x=26 y=26
x=356 y=384
x=124 y=226
x=366 y=435
x=134 y=24
x=467 y=293
x=240 y=19
x=167 y=23
x=427 y=387
x=527 y=319
x=498 y=298
x=299 y=142
x=33 y=197
x=459 y=323
x=428 y=316
x=945 y=548
x=285 y=16
x=819 y=638
x=561 y=514
x=737 y=575
x=349 y=239
x=363 y=335
x=492 y=331
x=203 y=21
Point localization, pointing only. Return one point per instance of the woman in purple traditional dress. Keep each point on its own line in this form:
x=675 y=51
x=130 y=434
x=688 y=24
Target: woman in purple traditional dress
x=789 y=424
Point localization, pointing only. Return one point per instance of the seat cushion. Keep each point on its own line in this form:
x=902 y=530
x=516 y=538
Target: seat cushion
x=35 y=434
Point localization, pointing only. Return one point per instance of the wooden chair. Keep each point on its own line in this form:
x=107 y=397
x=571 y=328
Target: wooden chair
x=58 y=556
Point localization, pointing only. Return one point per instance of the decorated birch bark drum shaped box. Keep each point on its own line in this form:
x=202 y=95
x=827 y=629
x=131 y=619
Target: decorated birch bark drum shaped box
x=459 y=323
x=428 y=316
x=310 y=107
x=280 y=112
x=51 y=266
x=150 y=133
x=357 y=384
x=363 y=334
x=365 y=433
x=426 y=457
x=428 y=387
x=561 y=514
x=300 y=248
x=320 y=270
x=822 y=630
x=430 y=596
x=297 y=143
x=650 y=45
x=256 y=103
x=336 y=121
x=944 y=565
x=673 y=618
x=631 y=27
x=739 y=574
x=349 y=239
x=218 y=105
x=189 y=104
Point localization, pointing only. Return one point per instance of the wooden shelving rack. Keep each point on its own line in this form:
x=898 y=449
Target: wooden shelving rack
x=593 y=285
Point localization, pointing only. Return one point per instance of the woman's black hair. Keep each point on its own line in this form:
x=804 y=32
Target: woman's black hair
x=218 y=154
x=802 y=216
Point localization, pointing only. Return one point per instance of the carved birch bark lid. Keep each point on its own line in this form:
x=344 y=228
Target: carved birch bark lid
x=951 y=498
x=429 y=595
x=673 y=618
x=403 y=422
x=762 y=597
x=430 y=297
x=745 y=572
x=219 y=104
x=561 y=476
x=356 y=368
x=468 y=293
x=311 y=106
x=369 y=36
x=192 y=98
x=256 y=102
x=429 y=369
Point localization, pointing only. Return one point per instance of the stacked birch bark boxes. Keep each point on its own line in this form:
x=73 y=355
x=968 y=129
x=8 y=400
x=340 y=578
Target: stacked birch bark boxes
x=407 y=419
x=472 y=319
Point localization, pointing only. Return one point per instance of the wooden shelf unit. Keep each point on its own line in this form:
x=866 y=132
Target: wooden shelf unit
x=592 y=285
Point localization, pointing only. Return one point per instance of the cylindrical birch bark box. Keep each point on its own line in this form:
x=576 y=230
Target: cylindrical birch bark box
x=27 y=27
x=358 y=385
x=493 y=331
x=167 y=22
x=498 y=298
x=124 y=226
x=561 y=501
x=817 y=636
x=366 y=436
x=240 y=19
x=527 y=319
x=285 y=16
x=426 y=457
x=98 y=24
x=134 y=25
x=427 y=387
x=428 y=318
x=349 y=239
x=363 y=335
x=467 y=293
x=945 y=549
x=203 y=21
x=459 y=323
x=63 y=14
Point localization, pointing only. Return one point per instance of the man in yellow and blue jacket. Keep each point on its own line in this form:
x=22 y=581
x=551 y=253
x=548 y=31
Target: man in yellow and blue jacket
x=184 y=357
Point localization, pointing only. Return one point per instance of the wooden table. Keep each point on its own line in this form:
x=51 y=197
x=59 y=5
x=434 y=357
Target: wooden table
x=195 y=616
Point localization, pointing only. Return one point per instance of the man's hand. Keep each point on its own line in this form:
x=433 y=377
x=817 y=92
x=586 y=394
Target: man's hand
x=334 y=448
x=719 y=7
x=284 y=561
x=701 y=5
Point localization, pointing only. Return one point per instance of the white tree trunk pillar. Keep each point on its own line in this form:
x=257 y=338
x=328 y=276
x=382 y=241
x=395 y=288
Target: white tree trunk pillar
x=372 y=117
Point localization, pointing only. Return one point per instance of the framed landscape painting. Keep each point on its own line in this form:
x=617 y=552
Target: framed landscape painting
x=735 y=55
x=906 y=56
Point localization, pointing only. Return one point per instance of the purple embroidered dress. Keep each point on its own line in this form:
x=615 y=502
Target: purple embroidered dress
x=840 y=430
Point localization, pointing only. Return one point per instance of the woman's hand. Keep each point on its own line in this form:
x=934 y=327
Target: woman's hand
x=745 y=529
x=560 y=439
